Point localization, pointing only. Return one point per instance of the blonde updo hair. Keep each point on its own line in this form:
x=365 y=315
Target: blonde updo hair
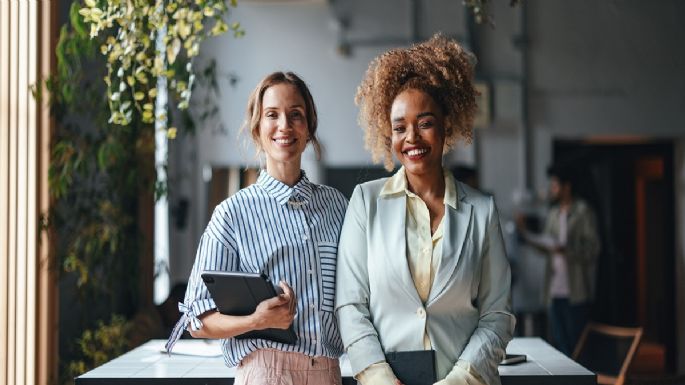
x=439 y=67
x=254 y=107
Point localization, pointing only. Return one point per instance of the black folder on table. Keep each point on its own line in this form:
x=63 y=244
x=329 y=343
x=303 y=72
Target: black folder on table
x=413 y=367
x=239 y=293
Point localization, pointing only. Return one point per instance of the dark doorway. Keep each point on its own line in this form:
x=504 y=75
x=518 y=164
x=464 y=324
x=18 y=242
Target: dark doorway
x=631 y=186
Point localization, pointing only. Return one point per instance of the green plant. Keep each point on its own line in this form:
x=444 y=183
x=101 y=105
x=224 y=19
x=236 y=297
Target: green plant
x=134 y=61
x=99 y=170
x=98 y=345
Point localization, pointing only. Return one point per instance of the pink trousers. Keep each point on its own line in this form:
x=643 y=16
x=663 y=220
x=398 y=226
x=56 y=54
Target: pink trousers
x=275 y=367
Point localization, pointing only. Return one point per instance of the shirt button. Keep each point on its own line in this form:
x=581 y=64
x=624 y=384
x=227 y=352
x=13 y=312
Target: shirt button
x=305 y=237
x=310 y=272
x=421 y=312
x=312 y=306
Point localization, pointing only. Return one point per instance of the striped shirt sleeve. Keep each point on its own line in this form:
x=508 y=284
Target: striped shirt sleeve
x=216 y=251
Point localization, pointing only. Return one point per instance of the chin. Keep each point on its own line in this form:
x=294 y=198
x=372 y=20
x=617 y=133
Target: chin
x=287 y=157
x=418 y=169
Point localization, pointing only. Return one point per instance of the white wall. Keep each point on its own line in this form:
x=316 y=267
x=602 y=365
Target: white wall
x=608 y=67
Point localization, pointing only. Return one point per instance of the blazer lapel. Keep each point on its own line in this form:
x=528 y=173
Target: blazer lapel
x=393 y=209
x=457 y=224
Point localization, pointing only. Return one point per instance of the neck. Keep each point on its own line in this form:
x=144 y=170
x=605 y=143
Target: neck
x=427 y=185
x=286 y=172
x=565 y=202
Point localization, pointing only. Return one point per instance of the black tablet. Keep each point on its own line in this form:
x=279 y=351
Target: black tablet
x=238 y=293
x=415 y=367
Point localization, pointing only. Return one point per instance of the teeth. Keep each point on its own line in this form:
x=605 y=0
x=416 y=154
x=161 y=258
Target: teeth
x=417 y=151
x=284 y=141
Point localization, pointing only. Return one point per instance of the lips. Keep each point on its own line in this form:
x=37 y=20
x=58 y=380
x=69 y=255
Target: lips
x=416 y=153
x=284 y=141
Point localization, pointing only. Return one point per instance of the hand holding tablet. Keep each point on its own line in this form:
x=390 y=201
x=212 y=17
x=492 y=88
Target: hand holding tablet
x=240 y=294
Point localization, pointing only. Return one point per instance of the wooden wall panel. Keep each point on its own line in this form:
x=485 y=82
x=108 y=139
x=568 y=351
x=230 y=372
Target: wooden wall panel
x=27 y=288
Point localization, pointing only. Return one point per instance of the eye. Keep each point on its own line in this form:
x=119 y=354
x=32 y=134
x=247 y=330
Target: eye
x=398 y=129
x=296 y=114
x=271 y=114
x=426 y=124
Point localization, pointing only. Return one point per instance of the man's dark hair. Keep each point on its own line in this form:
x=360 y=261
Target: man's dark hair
x=565 y=174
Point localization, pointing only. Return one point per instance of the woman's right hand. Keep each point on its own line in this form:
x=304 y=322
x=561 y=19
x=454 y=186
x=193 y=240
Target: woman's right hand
x=277 y=312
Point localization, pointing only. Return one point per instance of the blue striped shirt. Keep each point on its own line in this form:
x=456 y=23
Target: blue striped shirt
x=288 y=233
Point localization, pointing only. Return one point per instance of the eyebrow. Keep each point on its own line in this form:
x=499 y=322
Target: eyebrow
x=424 y=114
x=421 y=115
x=275 y=108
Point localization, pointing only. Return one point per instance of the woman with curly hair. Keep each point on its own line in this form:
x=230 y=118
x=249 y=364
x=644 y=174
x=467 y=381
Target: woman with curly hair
x=421 y=261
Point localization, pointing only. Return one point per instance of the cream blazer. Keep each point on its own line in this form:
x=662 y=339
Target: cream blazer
x=468 y=311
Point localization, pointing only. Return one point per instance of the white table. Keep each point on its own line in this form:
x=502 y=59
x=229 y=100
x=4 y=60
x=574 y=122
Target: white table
x=147 y=364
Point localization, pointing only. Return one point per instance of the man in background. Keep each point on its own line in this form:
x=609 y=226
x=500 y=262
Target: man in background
x=570 y=242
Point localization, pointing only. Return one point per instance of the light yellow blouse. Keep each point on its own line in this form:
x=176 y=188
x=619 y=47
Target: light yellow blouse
x=423 y=249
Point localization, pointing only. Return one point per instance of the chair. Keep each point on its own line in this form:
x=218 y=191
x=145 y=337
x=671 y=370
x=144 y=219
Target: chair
x=607 y=350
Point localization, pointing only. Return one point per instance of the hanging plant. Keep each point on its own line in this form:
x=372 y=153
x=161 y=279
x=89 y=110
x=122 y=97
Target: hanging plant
x=99 y=172
x=131 y=28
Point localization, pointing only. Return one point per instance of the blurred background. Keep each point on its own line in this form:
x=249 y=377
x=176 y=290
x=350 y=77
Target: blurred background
x=596 y=84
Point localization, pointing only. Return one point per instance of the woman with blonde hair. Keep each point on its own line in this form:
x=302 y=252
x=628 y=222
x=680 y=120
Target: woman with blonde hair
x=421 y=261
x=287 y=228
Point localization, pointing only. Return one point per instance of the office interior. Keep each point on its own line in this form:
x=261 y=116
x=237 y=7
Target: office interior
x=597 y=84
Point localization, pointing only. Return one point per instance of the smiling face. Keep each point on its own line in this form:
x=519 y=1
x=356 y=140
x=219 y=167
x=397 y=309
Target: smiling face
x=417 y=132
x=283 y=128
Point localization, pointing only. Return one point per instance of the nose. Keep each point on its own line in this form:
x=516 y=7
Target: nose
x=284 y=123
x=412 y=133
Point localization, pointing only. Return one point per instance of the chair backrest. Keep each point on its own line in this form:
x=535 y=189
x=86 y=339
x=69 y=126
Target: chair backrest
x=607 y=350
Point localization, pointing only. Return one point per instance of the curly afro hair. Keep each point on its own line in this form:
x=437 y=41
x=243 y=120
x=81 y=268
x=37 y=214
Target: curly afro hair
x=441 y=68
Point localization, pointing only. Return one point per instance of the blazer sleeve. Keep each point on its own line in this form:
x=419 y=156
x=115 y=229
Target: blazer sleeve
x=487 y=344
x=358 y=333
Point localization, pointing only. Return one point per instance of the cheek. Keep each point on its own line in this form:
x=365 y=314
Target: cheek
x=304 y=128
x=263 y=131
x=395 y=144
x=266 y=127
x=439 y=134
x=440 y=141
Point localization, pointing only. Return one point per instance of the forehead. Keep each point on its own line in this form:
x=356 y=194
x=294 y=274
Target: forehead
x=413 y=101
x=282 y=94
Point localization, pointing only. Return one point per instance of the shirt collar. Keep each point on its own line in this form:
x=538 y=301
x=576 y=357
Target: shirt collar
x=302 y=191
x=397 y=184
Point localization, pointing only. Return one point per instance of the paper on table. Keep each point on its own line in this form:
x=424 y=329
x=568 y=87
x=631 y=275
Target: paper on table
x=198 y=348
